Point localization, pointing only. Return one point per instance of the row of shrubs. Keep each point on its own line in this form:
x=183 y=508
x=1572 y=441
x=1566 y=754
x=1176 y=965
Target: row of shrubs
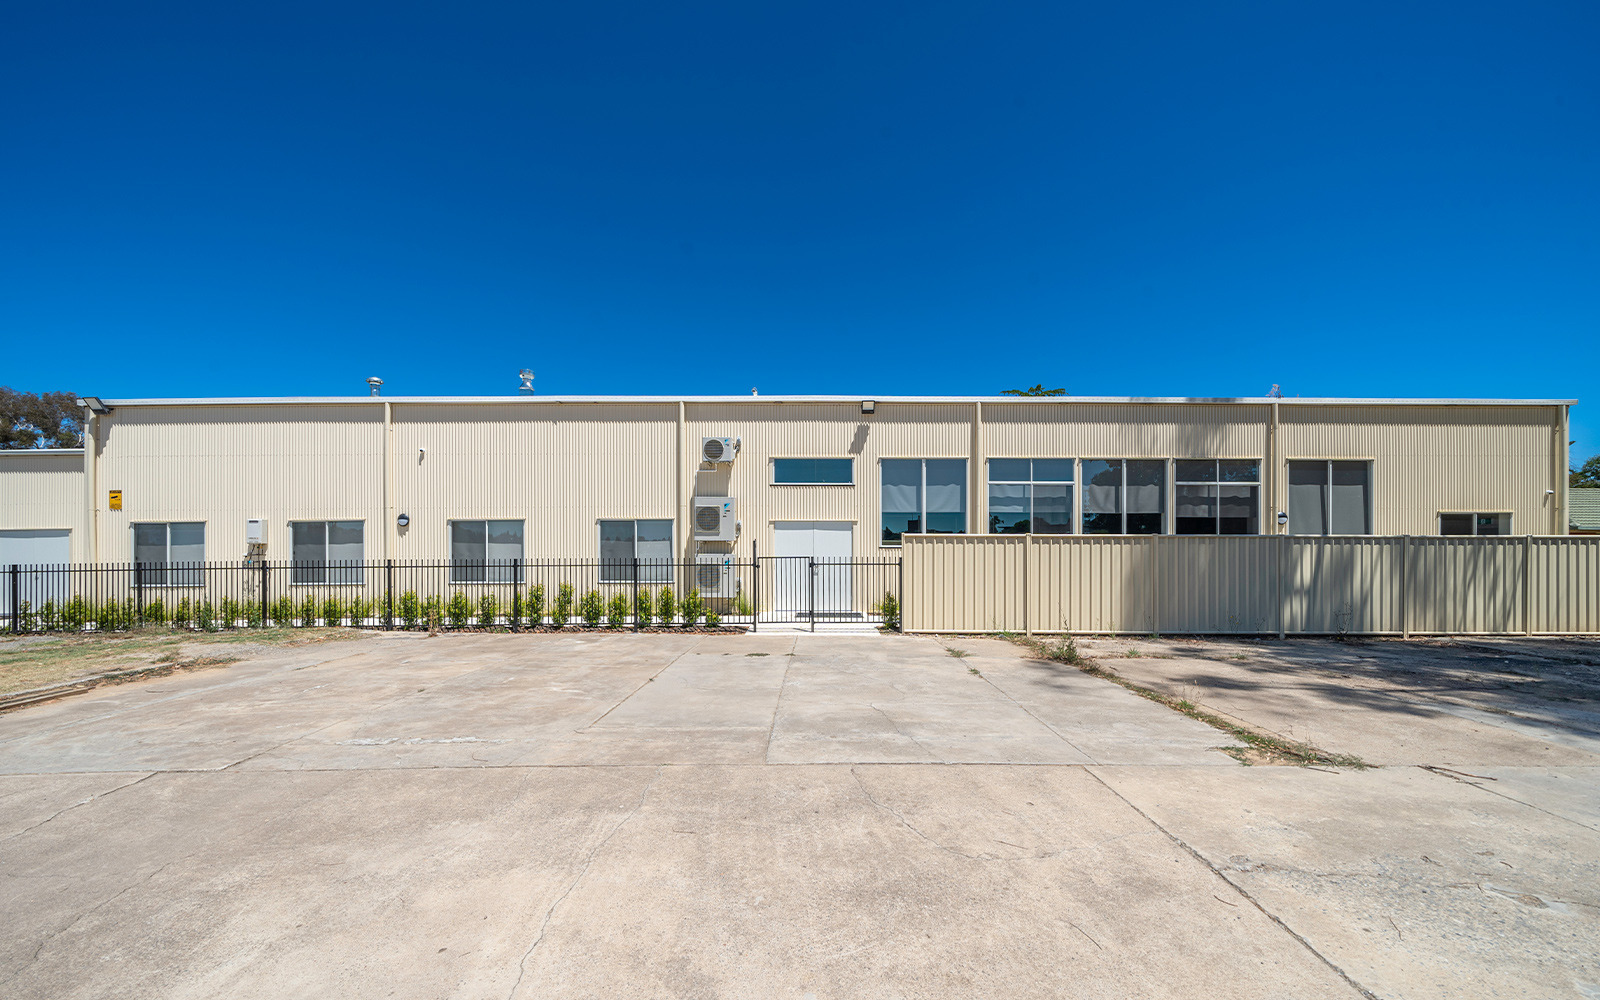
x=410 y=611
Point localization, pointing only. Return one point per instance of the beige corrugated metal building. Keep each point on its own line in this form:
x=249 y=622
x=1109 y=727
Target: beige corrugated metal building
x=572 y=469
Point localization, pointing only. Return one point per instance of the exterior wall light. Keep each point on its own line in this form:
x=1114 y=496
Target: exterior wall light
x=403 y=520
x=869 y=406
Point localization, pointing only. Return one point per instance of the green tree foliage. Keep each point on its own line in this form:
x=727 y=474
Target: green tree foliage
x=1036 y=389
x=592 y=608
x=459 y=610
x=561 y=614
x=488 y=610
x=666 y=606
x=40 y=419
x=645 y=608
x=1587 y=475
x=617 y=610
x=693 y=608
x=535 y=607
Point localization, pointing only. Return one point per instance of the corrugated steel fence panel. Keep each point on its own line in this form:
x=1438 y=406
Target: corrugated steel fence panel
x=1364 y=585
x=1564 y=584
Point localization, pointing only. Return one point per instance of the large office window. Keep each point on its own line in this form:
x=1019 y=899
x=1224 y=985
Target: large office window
x=326 y=552
x=485 y=551
x=923 y=496
x=1330 y=498
x=1030 y=495
x=1452 y=523
x=648 y=542
x=171 y=554
x=813 y=471
x=1124 y=497
x=1217 y=497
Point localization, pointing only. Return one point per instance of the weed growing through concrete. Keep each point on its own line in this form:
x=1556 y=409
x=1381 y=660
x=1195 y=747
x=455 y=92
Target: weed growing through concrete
x=1132 y=653
x=1258 y=747
x=959 y=654
x=974 y=671
x=755 y=654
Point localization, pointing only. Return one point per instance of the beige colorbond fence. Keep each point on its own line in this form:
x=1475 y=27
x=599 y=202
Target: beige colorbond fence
x=1272 y=584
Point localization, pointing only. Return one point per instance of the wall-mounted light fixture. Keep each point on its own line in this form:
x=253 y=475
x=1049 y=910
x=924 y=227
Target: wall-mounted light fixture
x=403 y=520
x=95 y=406
x=869 y=406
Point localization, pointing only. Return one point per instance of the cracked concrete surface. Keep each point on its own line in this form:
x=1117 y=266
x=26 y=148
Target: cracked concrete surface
x=587 y=815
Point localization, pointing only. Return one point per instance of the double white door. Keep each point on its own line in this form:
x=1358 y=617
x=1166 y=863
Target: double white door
x=813 y=567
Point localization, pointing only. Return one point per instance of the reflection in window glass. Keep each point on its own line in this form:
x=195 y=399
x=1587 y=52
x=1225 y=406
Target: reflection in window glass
x=1145 y=496
x=1230 y=507
x=1330 y=498
x=326 y=552
x=813 y=471
x=923 y=495
x=647 y=541
x=485 y=551
x=171 y=554
x=1030 y=495
x=1474 y=524
x=1102 y=497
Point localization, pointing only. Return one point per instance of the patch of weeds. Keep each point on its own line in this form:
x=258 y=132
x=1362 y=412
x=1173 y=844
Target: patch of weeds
x=757 y=654
x=974 y=671
x=1256 y=748
x=1132 y=653
x=959 y=654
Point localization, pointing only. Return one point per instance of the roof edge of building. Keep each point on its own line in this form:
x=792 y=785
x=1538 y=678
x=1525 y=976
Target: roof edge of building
x=1056 y=400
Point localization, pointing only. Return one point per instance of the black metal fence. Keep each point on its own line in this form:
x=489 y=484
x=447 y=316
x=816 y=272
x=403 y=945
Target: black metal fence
x=394 y=594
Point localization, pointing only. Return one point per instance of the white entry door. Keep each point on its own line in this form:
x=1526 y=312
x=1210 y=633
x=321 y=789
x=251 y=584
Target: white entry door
x=34 y=547
x=826 y=545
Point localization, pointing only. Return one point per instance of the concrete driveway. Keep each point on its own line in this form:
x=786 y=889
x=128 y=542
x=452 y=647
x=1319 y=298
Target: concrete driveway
x=498 y=816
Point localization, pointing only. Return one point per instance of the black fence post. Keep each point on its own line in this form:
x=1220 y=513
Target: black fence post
x=16 y=598
x=388 y=594
x=138 y=589
x=636 y=625
x=811 y=598
x=900 y=596
x=516 y=595
x=755 y=586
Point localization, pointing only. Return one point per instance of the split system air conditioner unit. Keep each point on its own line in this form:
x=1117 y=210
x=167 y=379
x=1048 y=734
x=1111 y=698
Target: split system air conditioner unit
x=715 y=519
x=716 y=450
x=715 y=575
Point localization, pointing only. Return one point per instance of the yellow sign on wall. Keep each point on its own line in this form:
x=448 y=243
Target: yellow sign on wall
x=116 y=499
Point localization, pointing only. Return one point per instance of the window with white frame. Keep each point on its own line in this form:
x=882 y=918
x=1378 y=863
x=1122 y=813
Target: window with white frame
x=1457 y=523
x=1330 y=497
x=1030 y=495
x=923 y=496
x=170 y=554
x=485 y=551
x=813 y=471
x=1124 y=496
x=327 y=552
x=1217 y=496
x=642 y=544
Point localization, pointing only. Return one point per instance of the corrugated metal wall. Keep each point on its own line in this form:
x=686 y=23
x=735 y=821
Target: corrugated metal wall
x=561 y=467
x=43 y=489
x=1248 y=585
x=1431 y=459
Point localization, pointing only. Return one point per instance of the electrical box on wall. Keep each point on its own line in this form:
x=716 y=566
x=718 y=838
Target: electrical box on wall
x=255 y=531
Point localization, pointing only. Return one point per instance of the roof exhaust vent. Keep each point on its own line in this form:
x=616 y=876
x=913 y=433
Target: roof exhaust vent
x=376 y=384
x=527 y=381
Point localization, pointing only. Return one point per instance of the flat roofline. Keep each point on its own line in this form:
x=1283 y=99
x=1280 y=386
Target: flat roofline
x=41 y=451
x=1057 y=400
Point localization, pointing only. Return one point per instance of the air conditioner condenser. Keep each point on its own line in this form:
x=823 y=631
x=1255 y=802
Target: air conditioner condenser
x=716 y=519
x=716 y=575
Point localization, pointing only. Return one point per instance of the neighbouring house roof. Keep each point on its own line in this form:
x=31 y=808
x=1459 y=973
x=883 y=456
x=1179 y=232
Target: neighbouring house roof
x=1583 y=508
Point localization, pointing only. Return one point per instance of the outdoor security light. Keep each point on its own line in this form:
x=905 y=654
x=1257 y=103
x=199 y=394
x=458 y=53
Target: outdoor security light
x=95 y=406
x=403 y=520
x=869 y=406
x=1283 y=517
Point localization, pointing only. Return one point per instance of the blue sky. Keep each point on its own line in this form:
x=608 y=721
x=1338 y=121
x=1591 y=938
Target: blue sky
x=1123 y=199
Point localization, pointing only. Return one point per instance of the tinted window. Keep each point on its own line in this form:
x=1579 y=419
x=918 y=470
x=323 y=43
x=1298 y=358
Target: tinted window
x=813 y=470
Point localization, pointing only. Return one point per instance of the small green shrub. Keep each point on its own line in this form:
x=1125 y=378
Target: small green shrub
x=713 y=619
x=535 y=607
x=205 y=617
x=592 y=608
x=283 y=611
x=75 y=615
x=643 y=608
x=433 y=613
x=742 y=606
x=183 y=614
x=410 y=609
x=332 y=610
x=252 y=614
x=889 y=608
x=488 y=610
x=561 y=614
x=459 y=610
x=617 y=611
x=693 y=608
x=360 y=609
x=666 y=606
x=50 y=616
x=308 y=611
x=26 y=619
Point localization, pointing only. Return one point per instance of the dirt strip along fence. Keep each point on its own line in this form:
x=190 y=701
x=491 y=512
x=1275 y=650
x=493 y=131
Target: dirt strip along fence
x=1253 y=585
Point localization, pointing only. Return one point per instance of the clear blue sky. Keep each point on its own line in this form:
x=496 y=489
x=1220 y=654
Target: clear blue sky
x=1127 y=199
